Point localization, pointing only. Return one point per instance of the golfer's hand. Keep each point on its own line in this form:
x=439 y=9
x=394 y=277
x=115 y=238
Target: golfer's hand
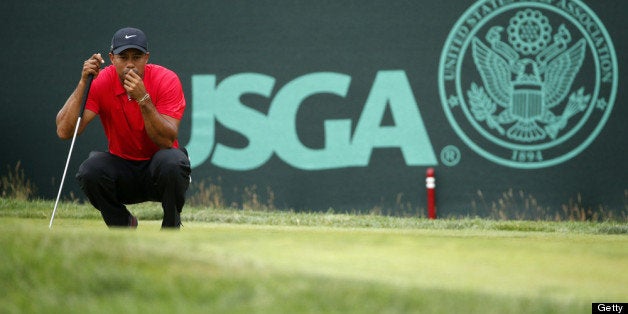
x=134 y=85
x=92 y=66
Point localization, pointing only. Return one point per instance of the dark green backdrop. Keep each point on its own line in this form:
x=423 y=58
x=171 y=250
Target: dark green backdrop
x=44 y=44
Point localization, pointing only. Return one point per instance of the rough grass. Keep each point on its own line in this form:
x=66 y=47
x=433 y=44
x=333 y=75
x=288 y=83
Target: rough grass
x=152 y=211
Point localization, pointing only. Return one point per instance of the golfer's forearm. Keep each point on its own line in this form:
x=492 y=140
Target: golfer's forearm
x=161 y=131
x=67 y=116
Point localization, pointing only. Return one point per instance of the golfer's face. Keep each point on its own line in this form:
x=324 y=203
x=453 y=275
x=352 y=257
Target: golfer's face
x=129 y=60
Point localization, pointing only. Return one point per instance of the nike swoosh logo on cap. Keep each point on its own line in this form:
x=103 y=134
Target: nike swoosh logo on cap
x=129 y=36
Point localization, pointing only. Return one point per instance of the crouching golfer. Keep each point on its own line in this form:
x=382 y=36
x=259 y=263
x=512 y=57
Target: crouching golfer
x=140 y=106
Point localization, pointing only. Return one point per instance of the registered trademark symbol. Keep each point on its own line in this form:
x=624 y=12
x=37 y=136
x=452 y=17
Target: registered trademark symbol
x=450 y=155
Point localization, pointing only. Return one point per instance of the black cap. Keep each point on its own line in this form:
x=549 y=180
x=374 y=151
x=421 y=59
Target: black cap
x=128 y=37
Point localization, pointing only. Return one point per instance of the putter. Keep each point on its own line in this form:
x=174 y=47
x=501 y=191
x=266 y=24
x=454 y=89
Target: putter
x=67 y=163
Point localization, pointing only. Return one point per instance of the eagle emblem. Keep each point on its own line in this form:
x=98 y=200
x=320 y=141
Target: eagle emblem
x=527 y=80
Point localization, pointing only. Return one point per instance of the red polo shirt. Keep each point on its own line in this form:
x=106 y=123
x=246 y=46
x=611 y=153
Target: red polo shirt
x=122 y=119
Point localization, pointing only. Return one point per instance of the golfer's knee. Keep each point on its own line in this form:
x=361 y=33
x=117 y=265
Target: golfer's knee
x=172 y=163
x=91 y=170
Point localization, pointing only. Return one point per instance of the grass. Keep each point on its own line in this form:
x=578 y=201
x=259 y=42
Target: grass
x=508 y=205
x=239 y=261
x=152 y=211
x=15 y=184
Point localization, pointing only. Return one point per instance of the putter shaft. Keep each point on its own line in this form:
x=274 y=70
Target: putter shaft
x=65 y=171
x=76 y=128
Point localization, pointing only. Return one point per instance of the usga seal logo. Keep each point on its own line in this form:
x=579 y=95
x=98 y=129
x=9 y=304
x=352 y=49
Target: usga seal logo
x=528 y=84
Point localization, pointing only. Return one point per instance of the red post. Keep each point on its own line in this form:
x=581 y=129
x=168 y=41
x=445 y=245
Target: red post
x=430 y=184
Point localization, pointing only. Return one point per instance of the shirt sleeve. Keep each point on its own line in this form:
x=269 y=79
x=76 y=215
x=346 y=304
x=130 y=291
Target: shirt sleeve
x=170 y=100
x=100 y=85
x=94 y=90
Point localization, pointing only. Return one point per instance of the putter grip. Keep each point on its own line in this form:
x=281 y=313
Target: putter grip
x=90 y=78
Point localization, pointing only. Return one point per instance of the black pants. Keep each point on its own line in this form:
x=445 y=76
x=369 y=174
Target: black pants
x=110 y=182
